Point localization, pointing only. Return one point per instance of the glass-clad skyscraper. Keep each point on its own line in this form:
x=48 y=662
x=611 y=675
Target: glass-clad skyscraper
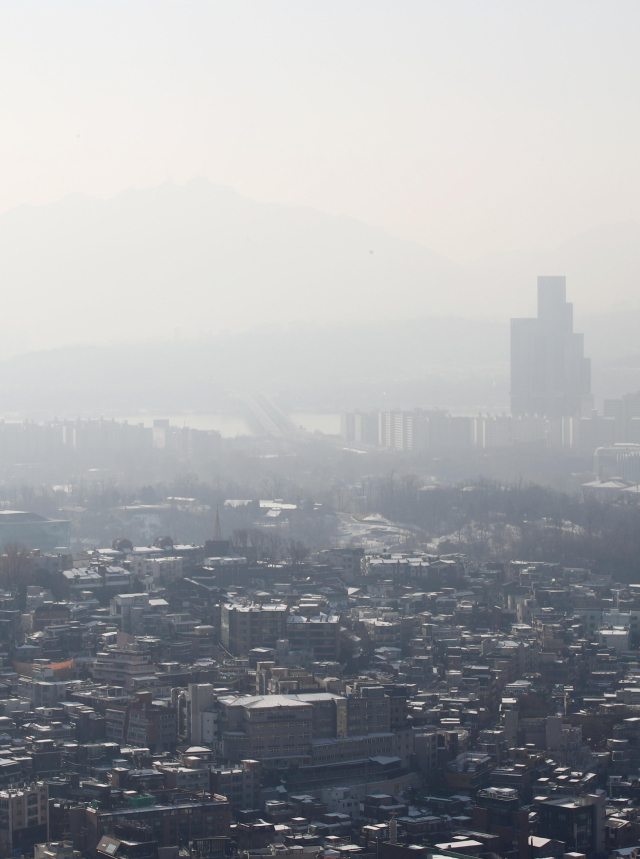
x=549 y=374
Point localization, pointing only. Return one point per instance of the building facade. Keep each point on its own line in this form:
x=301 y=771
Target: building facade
x=549 y=374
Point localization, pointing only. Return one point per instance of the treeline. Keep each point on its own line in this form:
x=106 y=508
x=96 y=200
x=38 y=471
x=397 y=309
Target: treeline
x=101 y=511
x=492 y=521
x=485 y=519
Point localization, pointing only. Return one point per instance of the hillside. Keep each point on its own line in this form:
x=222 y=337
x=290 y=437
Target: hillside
x=202 y=258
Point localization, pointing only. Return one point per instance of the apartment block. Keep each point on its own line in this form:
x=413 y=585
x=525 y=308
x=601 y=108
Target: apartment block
x=142 y=723
x=23 y=818
x=244 y=627
x=319 y=634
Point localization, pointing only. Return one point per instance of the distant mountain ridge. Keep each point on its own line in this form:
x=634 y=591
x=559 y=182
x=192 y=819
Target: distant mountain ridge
x=185 y=291
x=201 y=257
x=316 y=363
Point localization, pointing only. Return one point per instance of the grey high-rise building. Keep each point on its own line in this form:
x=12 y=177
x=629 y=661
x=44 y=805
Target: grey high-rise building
x=549 y=374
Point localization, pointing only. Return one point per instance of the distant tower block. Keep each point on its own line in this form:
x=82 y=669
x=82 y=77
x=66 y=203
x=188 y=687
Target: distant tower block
x=549 y=374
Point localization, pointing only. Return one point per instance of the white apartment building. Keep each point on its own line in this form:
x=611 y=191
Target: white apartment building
x=615 y=639
x=167 y=569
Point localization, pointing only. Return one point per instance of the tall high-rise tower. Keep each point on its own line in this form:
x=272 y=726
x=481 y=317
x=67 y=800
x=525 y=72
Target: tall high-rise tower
x=549 y=374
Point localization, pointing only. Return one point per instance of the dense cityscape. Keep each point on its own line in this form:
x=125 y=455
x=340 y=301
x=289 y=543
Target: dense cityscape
x=386 y=665
x=319 y=429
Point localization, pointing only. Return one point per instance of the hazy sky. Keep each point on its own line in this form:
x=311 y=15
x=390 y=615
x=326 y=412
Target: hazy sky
x=470 y=126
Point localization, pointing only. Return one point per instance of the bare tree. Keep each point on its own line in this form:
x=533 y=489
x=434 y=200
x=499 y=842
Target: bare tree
x=16 y=566
x=258 y=542
x=272 y=552
x=273 y=486
x=297 y=551
x=186 y=485
x=241 y=539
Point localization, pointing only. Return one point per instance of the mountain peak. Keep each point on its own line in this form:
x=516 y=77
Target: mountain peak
x=202 y=256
